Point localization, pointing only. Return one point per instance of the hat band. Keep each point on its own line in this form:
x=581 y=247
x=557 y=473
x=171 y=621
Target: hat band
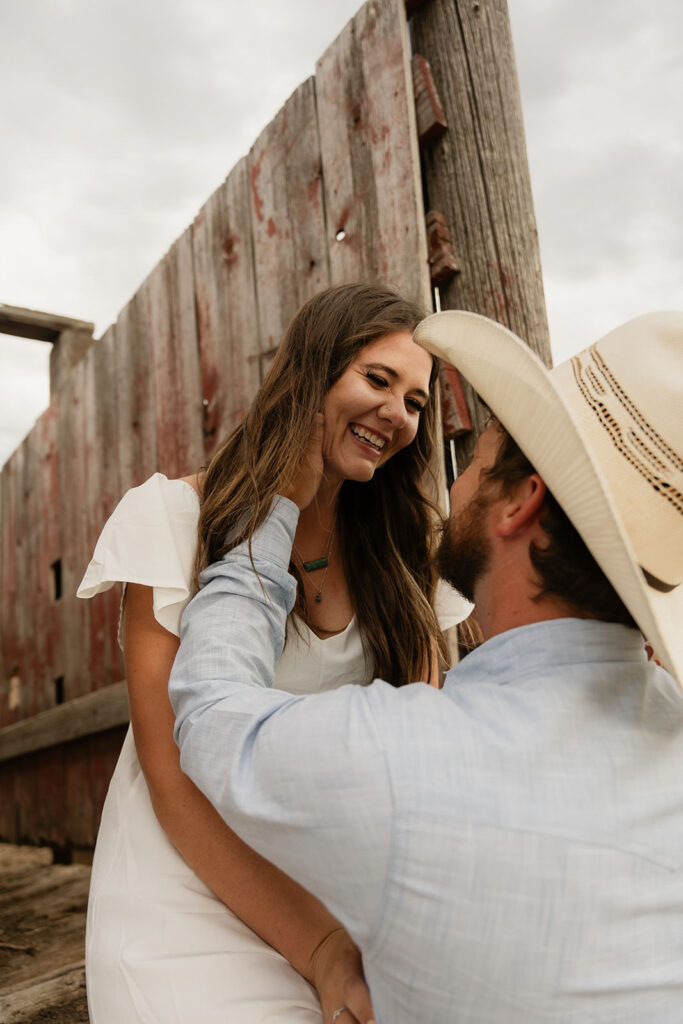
x=663 y=588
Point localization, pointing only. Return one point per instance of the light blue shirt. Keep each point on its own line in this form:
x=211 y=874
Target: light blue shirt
x=507 y=850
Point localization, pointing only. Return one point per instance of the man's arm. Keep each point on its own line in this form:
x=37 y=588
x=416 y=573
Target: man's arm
x=301 y=779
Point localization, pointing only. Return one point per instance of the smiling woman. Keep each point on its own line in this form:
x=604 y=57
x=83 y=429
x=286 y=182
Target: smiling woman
x=373 y=410
x=157 y=935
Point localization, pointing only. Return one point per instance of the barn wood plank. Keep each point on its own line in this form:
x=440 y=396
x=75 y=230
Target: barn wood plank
x=95 y=460
x=46 y=544
x=135 y=398
x=189 y=411
x=106 y=664
x=75 y=537
x=78 y=812
x=8 y=637
x=370 y=157
x=227 y=321
x=12 y=648
x=169 y=324
x=93 y=713
x=287 y=215
x=32 y=323
x=8 y=803
x=28 y=591
x=477 y=175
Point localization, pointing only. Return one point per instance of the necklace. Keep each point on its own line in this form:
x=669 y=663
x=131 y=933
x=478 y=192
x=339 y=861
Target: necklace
x=319 y=563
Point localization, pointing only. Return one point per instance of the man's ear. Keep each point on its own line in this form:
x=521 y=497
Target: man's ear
x=522 y=508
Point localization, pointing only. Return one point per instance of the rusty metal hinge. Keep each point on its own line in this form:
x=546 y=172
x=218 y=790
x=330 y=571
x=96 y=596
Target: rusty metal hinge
x=442 y=262
x=431 y=120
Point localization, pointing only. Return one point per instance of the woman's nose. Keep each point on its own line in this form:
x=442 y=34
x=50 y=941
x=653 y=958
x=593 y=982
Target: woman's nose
x=394 y=411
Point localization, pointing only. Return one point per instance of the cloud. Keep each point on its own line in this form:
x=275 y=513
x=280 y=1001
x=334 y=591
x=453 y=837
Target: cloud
x=26 y=365
x=120 y=119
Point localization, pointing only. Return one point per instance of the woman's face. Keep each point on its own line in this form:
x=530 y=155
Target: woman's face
x=374 y=408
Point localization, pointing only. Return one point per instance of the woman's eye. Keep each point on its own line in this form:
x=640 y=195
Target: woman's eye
x=414 y=404
x=378 y=381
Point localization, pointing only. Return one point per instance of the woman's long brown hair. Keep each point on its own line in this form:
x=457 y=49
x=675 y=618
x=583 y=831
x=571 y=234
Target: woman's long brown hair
x=386 y=527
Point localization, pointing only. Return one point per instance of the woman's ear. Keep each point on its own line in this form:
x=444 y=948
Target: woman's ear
x=521 y=509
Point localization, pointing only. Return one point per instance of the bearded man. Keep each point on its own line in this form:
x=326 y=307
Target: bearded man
x=510 y=848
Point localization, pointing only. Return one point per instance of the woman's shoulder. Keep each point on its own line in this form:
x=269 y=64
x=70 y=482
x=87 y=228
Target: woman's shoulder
x=194 y=481
x=150 y=538
x=159 y=496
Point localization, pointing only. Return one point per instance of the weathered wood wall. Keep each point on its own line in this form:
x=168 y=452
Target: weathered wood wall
x=329 y=193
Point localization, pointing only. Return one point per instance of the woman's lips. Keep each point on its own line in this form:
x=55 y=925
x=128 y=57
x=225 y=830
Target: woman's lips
x=368 y=440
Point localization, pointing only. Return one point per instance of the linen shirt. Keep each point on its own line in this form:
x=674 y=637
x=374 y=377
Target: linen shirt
x=507 y=850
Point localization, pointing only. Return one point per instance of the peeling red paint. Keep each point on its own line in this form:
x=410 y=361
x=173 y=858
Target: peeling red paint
x=379 y=137
x=254 y=173
x=271 y=229
x=229 y=248
x=342 y=219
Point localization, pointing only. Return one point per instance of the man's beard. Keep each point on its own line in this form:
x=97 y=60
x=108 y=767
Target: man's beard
x=464 y=551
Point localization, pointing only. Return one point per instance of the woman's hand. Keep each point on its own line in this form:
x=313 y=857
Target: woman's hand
x=304 y=487
x=337 y=974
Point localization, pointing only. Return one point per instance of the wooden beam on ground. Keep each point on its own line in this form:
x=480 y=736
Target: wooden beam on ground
x=84 y=716
x=30 y=323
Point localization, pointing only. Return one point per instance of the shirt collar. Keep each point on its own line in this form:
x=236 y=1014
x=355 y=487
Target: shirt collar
x=542 y=647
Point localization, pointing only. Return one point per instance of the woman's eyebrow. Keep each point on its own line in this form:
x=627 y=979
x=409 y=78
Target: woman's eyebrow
x=394 y=375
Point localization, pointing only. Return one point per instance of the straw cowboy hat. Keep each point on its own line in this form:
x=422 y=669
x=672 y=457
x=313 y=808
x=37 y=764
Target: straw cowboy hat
x=605 y=432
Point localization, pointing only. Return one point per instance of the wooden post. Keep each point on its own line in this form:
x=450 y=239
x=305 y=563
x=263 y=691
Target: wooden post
x=68 y=349
x=476 y=174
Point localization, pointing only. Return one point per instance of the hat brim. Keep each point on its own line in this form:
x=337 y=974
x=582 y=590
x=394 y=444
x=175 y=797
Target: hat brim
x=521 y=393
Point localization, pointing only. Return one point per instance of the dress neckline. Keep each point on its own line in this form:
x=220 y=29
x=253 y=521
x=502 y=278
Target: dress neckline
x=326 y=639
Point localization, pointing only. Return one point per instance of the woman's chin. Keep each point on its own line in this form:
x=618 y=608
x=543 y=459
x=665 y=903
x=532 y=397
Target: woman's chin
x=361 y=474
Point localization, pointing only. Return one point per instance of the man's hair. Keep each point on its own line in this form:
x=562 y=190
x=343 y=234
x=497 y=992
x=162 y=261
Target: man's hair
x=565 y=567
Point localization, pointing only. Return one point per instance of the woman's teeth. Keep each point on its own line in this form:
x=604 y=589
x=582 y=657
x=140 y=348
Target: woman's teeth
x=363 y=434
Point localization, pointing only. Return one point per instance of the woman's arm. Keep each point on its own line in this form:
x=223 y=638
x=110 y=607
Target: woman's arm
x=268 y=901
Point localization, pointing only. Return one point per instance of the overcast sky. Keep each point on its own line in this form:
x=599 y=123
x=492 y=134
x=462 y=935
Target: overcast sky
x=118 y=119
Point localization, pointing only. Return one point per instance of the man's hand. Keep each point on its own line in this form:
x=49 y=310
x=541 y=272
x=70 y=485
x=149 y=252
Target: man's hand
x=304 y=487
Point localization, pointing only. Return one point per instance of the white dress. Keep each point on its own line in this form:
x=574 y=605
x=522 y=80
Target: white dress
x=160 y=947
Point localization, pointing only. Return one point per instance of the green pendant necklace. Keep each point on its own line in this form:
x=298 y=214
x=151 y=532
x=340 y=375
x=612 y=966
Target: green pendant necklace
x=318 y=563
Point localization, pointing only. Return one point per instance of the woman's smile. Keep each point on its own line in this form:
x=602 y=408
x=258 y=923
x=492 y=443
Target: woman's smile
x=368 y=438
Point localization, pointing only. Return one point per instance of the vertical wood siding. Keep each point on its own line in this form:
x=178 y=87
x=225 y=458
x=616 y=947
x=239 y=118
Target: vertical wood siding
x=175 y=374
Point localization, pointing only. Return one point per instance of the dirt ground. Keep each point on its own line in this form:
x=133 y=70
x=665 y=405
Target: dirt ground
x=42 y=931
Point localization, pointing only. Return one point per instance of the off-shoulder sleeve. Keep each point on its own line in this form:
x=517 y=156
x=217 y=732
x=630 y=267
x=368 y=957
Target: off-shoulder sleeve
x=450 y=606
x=150 y=538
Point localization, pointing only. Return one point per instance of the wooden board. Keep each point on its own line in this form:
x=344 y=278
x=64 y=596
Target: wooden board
x=168 y=322
x=227 y=321
x=370 y=159
x=42 y=513
x=74 y=469
x=477 y=174
x=287 y=216
x=93 y=713
x=11 y=634
x=134 y=382
x=104 y=492
x=56 y=794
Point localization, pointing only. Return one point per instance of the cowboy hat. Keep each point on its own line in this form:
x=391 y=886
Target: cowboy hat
x=605 y=432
